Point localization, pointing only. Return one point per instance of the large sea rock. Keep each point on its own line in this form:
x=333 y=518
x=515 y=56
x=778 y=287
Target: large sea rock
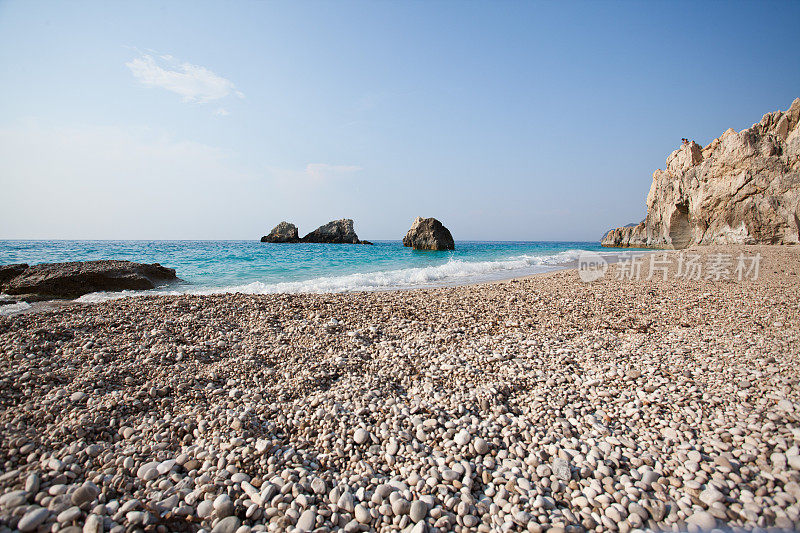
x=71 y=280
x=283 y=232
x=428 y=234
x=334 y=232
x=743 y=188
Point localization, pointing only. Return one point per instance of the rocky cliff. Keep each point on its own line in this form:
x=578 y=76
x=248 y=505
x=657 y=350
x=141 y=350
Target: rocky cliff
x=743 y=188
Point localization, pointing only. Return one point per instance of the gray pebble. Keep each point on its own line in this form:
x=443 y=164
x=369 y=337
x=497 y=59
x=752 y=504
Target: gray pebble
x=31 y=520
x=227 y=525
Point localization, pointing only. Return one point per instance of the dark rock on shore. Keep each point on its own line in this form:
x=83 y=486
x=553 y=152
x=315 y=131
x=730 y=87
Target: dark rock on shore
x=71 y=280
x=8 y=272
x=283 y=232
x=428 y=234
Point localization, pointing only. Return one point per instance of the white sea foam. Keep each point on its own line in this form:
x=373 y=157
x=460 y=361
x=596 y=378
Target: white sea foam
x=10 y=309
x=454 y=272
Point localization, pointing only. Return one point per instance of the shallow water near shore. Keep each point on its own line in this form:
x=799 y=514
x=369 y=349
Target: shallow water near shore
x=210 y=267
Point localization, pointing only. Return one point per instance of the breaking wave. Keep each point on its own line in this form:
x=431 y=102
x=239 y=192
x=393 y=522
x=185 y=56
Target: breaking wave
x=11 y=309
x=454 y=272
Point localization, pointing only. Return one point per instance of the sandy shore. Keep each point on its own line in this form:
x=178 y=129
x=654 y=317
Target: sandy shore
x=537 y=404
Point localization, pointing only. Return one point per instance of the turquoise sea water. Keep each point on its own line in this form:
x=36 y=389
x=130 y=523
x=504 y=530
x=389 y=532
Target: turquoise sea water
x=207 y=267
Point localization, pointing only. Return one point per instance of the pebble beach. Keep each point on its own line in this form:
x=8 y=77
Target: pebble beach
x=536 y=404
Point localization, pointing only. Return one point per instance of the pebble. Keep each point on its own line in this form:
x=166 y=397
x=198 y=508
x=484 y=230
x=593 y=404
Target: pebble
x=561 y=469
x=711 y=495
x=31 y=520
x=77 y=396
x=138 y=518
x=32 y=483
x=227 y=525
x=462 y=438
x=148 y=471
x=223 y=506
x=361 y=514
x=401 y=506
x=346 y=502
x=84 y=494
x=13 y=498
x=307 y=520
x=360 y=436
x=205 y=508
x=418 y=510
x=703 y=520
x=169 y=464
x=649 y=477
x=68 y=515
x=481 y=447
x=93 y=524
x=419 y=527
x=449 y=475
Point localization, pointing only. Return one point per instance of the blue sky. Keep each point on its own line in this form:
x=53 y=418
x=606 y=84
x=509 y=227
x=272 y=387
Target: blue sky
x=506 y=120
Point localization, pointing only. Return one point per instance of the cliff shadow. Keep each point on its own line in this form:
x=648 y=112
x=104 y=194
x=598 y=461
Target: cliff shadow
x=680 y=230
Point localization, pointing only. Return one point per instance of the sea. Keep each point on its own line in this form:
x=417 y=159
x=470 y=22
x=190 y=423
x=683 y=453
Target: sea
x=251 y=267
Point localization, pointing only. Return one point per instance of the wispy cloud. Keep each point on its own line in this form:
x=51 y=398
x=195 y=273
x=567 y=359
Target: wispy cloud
x=221 y=112
x=192 y=82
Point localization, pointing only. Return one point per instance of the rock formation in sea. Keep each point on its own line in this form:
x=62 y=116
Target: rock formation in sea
x=283 y=232
x=428 y=234
x=743 y=188
x=334 y=232
x=71 y=280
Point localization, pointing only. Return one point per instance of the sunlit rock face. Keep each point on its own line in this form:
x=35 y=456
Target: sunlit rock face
x=743 y=188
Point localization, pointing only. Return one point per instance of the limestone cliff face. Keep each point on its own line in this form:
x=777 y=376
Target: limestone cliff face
x=743 y=188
